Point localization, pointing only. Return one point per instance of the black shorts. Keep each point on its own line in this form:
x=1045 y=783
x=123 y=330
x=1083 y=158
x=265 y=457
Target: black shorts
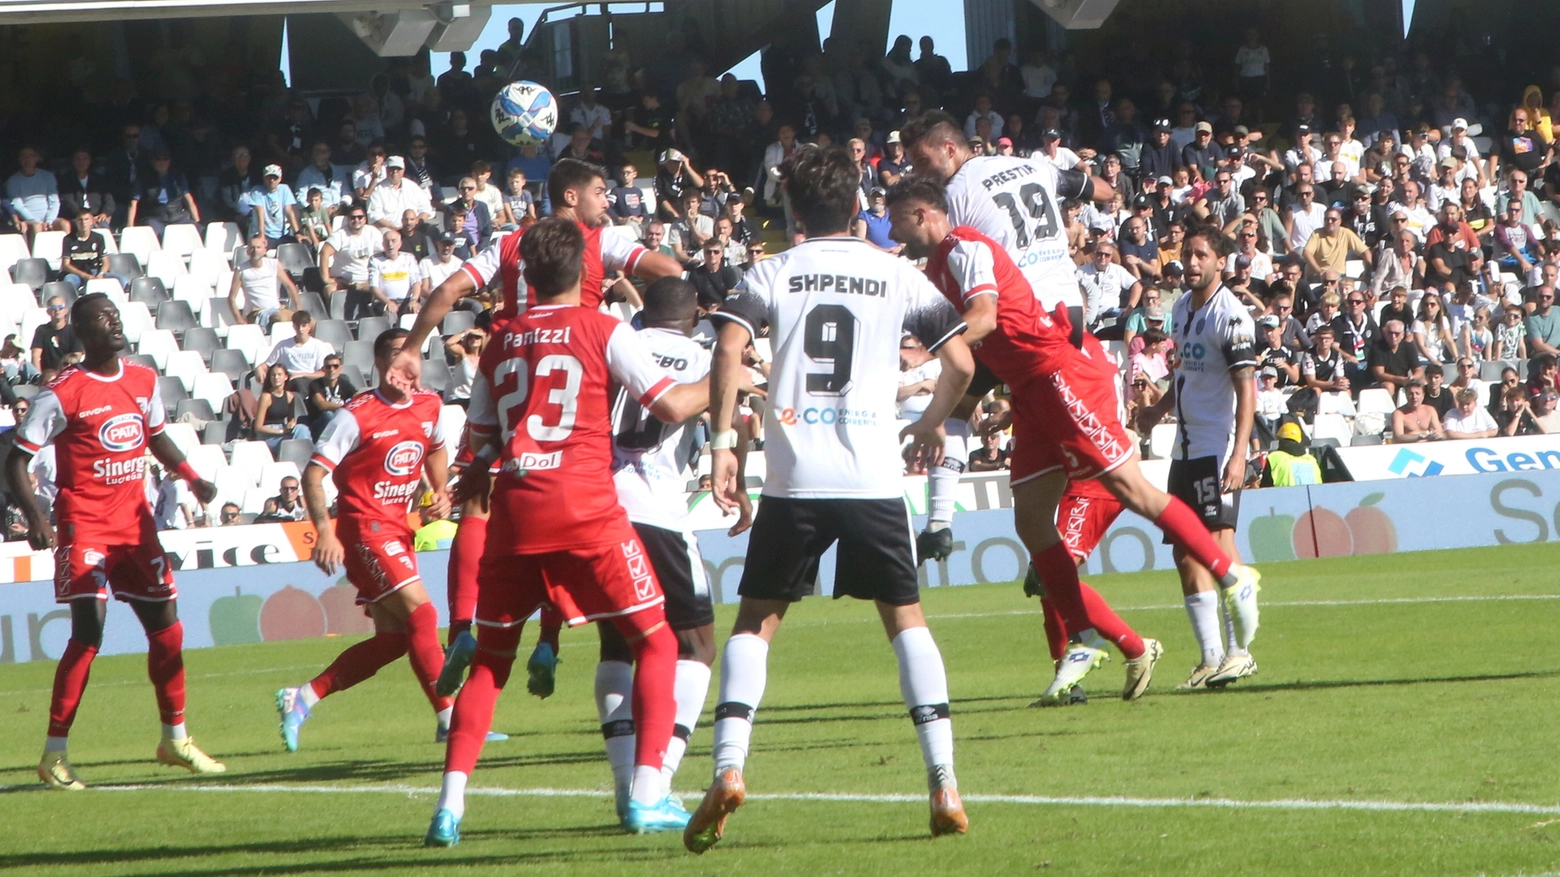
x=1197 y=482
x=876 y=560
x=677 y=564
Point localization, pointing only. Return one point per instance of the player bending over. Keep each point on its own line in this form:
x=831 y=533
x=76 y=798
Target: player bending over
x=103 y=415
x=377 y=448
x=917 y=379
x=557 y=534
x=835 y=309
x=1065 y=424
x=1215 y=402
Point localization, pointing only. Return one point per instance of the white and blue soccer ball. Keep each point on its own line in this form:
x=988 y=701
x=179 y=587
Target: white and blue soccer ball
x=525 y=113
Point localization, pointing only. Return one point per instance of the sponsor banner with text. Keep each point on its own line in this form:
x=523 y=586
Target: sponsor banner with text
x=1518 y=454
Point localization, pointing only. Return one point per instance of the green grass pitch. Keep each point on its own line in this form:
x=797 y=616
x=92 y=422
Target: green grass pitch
x=1376 y=685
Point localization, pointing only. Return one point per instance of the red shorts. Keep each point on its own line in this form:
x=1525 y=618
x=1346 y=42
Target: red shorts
x=379 y=559
x=1065 y=419
x=90 y=568
x=1084 y=514
x=584 y=584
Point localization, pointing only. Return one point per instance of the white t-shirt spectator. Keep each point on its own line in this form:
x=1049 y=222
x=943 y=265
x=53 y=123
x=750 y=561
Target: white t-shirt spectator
x=436 y=272
x=1272 y=404
x=393 y=277
x=596 y=118
x=391 y=202
x=1479 y=421
x=678 y=231
x=353 y=253
x=261 y=288
x=1305 y=223
x=1065 y=158
x=1102 y=289
x=1252 y=62
x=300 y=358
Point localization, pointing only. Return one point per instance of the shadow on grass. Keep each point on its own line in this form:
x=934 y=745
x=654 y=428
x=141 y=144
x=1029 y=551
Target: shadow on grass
x=1249 y=687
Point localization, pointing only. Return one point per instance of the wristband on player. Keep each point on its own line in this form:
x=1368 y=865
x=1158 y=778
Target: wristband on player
x=725 y=440
x=186 y=471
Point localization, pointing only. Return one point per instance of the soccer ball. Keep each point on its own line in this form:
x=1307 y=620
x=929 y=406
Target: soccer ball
x=525 y=113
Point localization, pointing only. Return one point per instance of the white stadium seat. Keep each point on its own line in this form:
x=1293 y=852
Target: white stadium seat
x=181 y=239
x=250 y=340
x=139 y=241
x=186 y=365
x=47 y=245
x=109 y=287
x=209 y=462
x=13 y=249
x=210 y=264
x=214 y=387
x=166 y=267
x=137 y=320
x=1161 y=441
x=231 y=485
x=32 y=318
x=249 y=458
x=1334 y=427
x=1376 y=401
x=109 y=245
x=254 y=500
x=16 y=299
x=159 y=344
x=192 y=289
x=271 y=475
x=223 y=236
x=183 y=436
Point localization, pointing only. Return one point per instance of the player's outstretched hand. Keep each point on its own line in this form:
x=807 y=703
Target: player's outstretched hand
x=724 y=486
x=439 y=509
x=926 y=441
x=473 y=484
x=40 y=535
x=744 y=513
x=204 y=490
x=328 y=553
x=405 y=370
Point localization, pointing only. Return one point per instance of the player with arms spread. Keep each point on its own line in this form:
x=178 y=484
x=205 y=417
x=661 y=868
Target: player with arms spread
x=1017 y=203
x=541 y=403
x=377 y=448
x=103 y=415
x=1065 y=424
x=1215 y=402
x=835 y=309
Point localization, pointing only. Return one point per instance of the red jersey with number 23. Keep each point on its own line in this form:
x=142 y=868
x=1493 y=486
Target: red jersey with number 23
x=100 y=427
x=603 y=253
x=547 y=383
x=375 y=450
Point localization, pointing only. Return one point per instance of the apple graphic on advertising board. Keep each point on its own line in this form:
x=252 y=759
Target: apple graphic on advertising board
x=342 y=614
x=1366 y=529
x=235 y=619
x=1271 y=537
x=291 y=614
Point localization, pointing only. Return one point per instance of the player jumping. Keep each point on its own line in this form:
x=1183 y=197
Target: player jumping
x=377 y=448
x=1215 y=402
x=103 y=415
x=1064 y=413
x=557 y=534
x=835 y=309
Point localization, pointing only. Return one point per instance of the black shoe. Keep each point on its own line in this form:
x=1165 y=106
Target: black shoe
x=1032 y=586
x=933 y=545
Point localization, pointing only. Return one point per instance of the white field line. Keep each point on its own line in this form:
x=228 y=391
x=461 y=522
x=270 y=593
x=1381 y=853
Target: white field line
x=1023 y=800
x=1266 y=604
x=256 y=672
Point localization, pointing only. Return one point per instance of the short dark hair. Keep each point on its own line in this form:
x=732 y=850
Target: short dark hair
x=78 y=311
x=302 y=318
x=1434 y=368
x=670 y=299
x=553 y=250
x=919 y=189
x=822 y=184
x=1213 y=235
x=1154 y=336
x=935 y=126
x=571 y=173
x=386 y=338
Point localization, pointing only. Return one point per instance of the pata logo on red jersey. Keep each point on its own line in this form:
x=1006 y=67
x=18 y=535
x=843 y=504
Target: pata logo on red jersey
x=125 y=432
x=404 y=458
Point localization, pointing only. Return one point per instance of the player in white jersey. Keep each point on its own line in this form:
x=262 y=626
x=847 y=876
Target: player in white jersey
x=1214 y=400
x=916 y=382
x=834 y=308
x=1017 y=203
x=647 y=463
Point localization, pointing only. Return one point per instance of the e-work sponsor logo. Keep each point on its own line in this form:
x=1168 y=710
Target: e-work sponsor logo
x=1411 y=465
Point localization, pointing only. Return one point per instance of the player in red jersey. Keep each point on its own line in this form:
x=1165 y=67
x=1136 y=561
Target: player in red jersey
x=377 y=448
x=1064 y=418
x=557 y=535
x=103 y=415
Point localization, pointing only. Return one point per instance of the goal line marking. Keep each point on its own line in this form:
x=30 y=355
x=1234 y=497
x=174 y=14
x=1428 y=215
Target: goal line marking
x=1029 y=800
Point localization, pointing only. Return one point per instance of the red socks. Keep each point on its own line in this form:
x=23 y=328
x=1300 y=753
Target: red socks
x=165 y=666
x=70 y=680
x=551 y=623
x=1187 y=530
x=360 y=662
x=422 y=646
x=1102 y=618
x=655 y=677
x=1055 y=628
x=473 y=716
x=465 y=557
x=1059 y=575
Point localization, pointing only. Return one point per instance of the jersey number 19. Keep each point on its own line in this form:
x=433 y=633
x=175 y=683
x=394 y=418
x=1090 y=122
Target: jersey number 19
x=1032 y=203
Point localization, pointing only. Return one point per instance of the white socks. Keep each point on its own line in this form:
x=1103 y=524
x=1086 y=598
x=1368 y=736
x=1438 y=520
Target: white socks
x=175 y=732
x=452 y=794
x=444 y=717
x=615 y=707
x=55 y=744
x=924 y=685
x=1229 y=632
x=1202 y=609
x=691 y=689
x=744 y=670
x=942 y=480
x=307 y=695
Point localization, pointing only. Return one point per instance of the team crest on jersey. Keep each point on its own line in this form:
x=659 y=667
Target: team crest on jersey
x=404 y=458
x=124 y=432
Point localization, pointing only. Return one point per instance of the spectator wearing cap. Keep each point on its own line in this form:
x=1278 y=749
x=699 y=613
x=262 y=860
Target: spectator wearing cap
x=163 y=197
x=395 y=195
x=1272 y=352
x=272 y=209
x=1151 y=314
x=872 y=224
x=1004 y=146
x=436 y=267
x=1202 y=153
x=1235 y=162
x=1106 y=285
x=1151 y=360
x=894 y=164
x=1111 y=172
x=1159 y=158
x=1330 y=247
x=674 y=177
x=1052 y=151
